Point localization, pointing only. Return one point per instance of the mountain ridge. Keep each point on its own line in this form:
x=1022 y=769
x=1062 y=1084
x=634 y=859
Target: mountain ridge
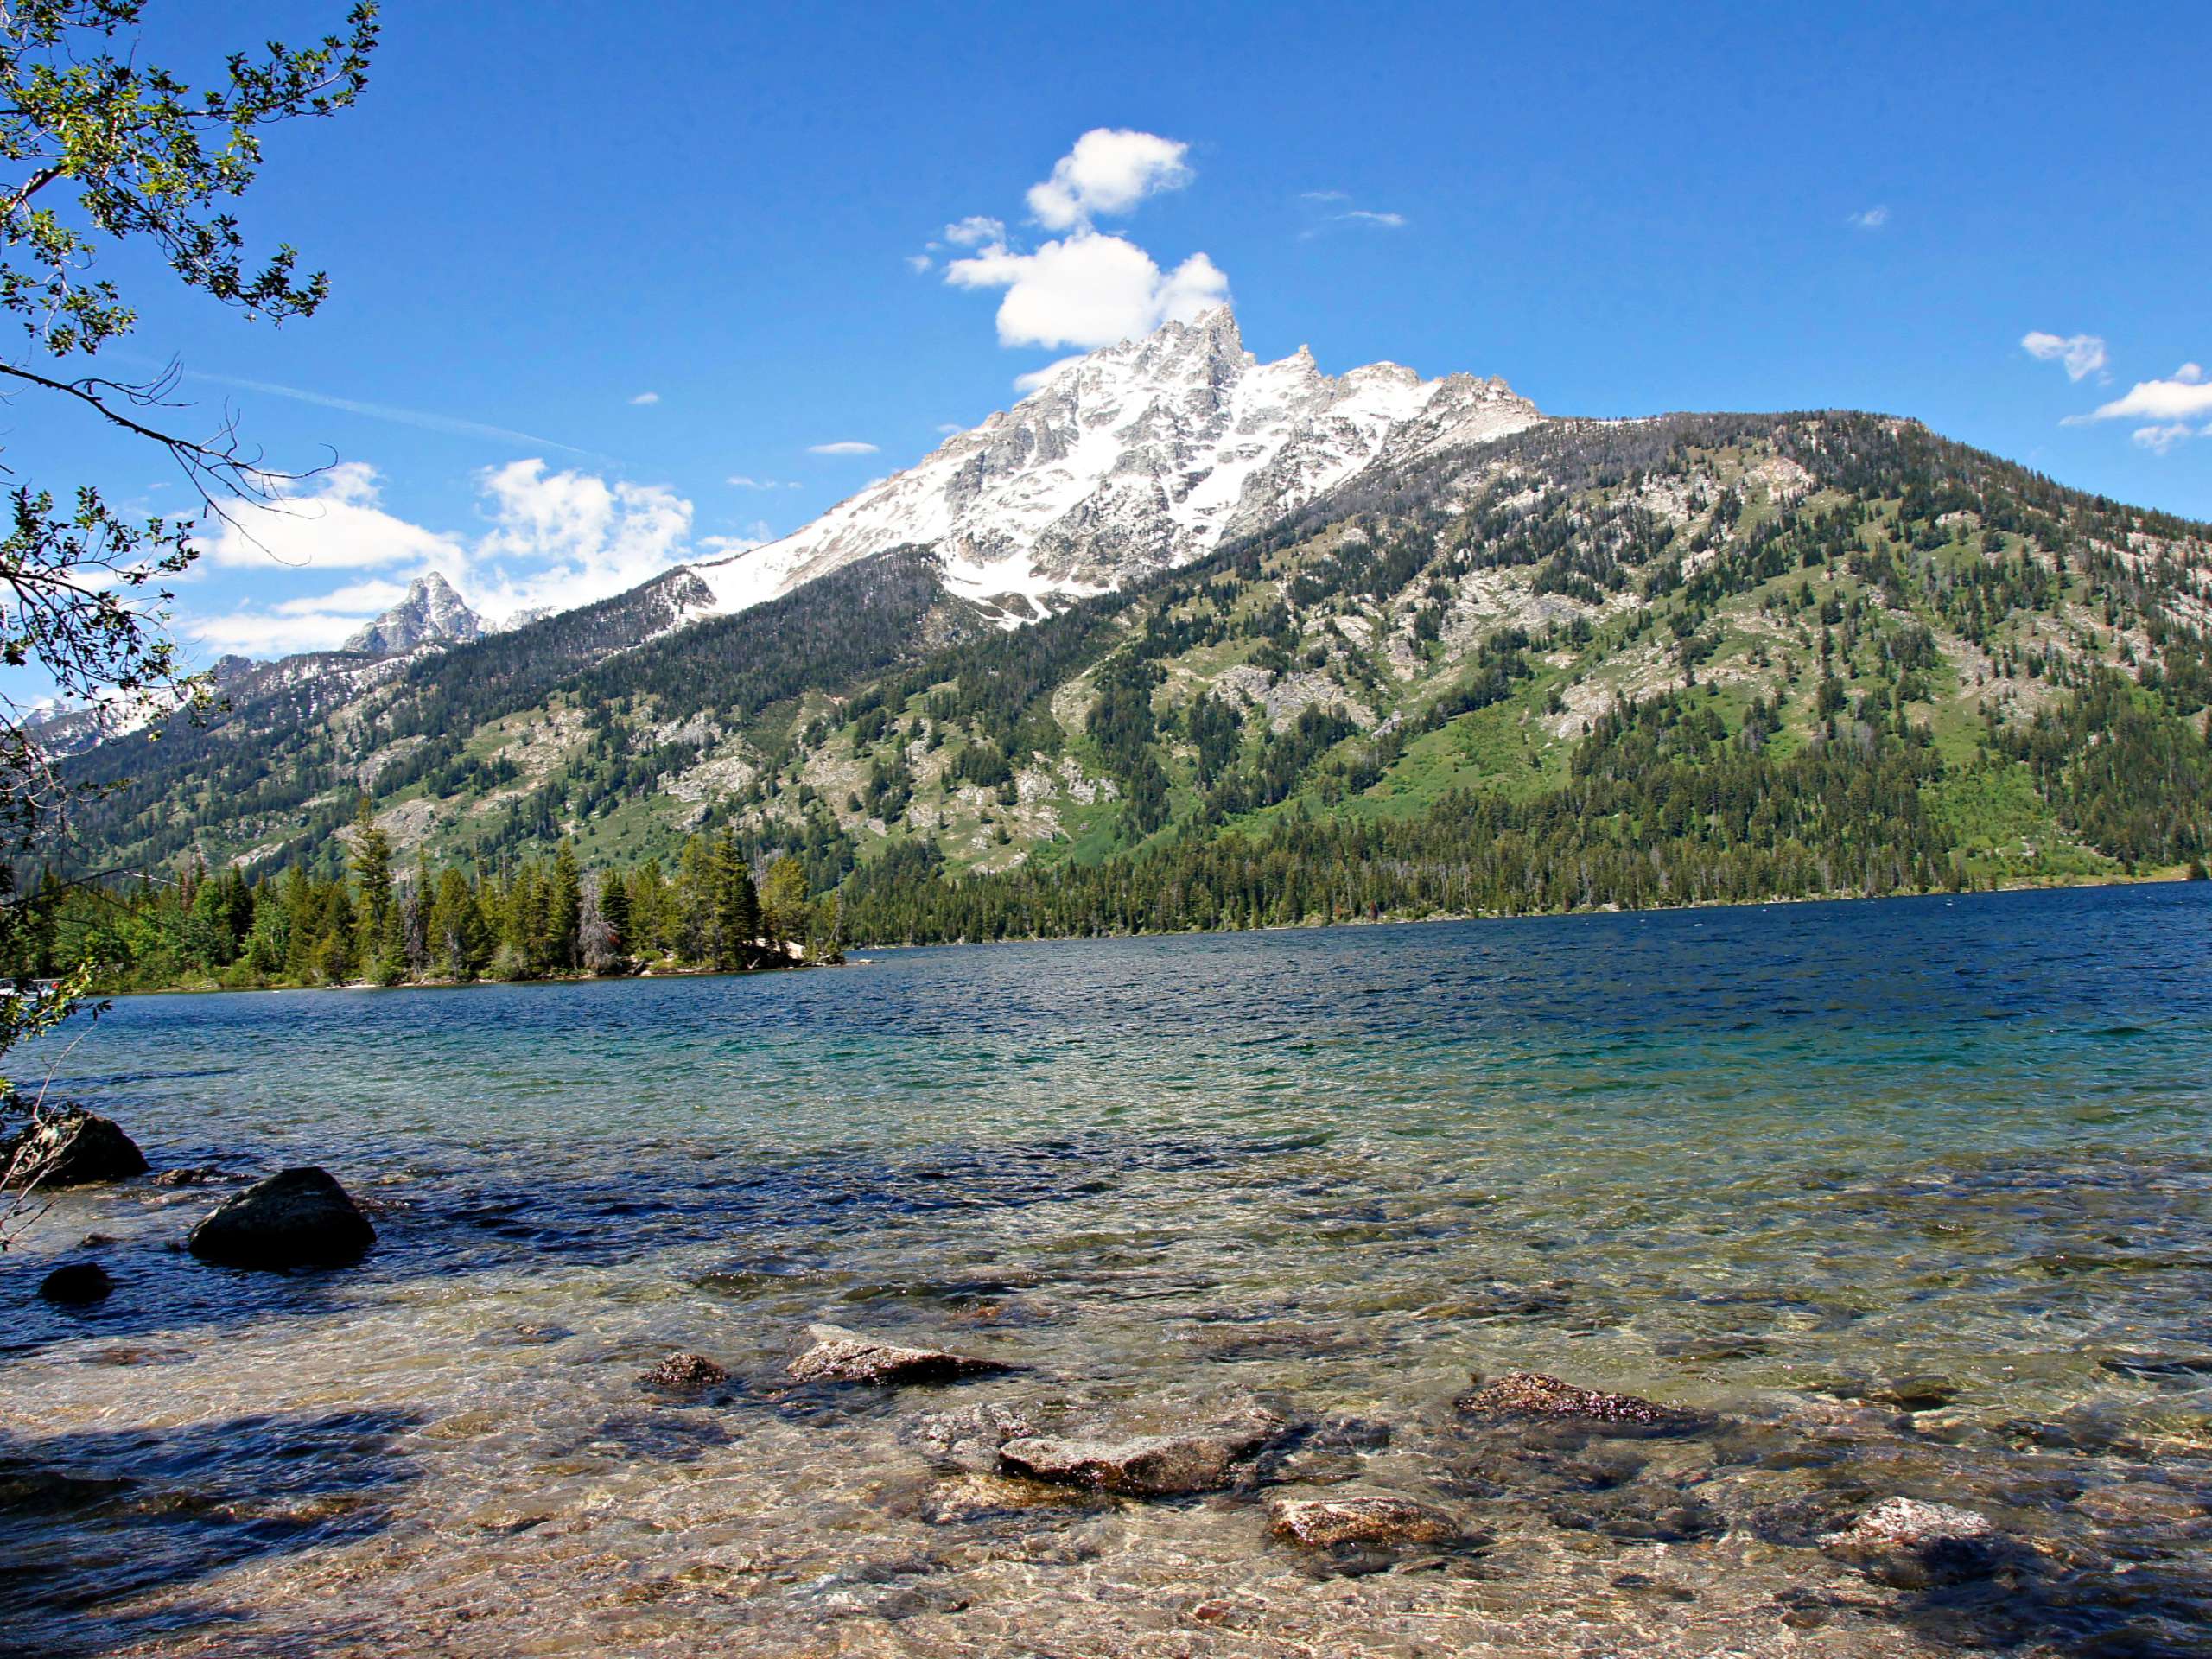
x=1462 y=628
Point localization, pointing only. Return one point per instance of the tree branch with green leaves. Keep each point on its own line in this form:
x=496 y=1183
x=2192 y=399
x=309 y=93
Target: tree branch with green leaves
x=99 y=148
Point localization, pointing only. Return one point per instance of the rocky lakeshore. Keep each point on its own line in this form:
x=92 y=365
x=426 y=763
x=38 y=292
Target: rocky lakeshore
x=1277 y=1309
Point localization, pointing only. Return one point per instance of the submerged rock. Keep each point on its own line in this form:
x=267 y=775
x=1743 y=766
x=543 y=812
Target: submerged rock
x=970 y=1439
x=76 y=1283
x=297 y=1218
x=1359 y=1518
x=1912 y=1544
x=842 y=1356
x=79 y=1150
x=199 y=1175
x=685 y=1374
x=1143 y=1465
x=1534 y=1394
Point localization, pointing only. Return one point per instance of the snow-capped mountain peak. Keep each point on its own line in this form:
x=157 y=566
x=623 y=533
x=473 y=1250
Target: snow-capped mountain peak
x=1141 y=456
x=432 y=612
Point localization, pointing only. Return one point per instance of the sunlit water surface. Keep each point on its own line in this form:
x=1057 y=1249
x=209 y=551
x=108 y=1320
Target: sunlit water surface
x=1915 y=1195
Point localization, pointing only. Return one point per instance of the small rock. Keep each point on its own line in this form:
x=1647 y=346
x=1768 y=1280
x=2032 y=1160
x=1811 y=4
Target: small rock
x=1915 y=1393
x=79 y=1150
x=1532 y=1394
x=685 y=1374
x=189 y=1177
x=297 y=1218
x=95 y=1241
x=1911 y=1544
x=1359 y=1518
x=76 y=1284
x=842 y=1356
x=1143 y=1465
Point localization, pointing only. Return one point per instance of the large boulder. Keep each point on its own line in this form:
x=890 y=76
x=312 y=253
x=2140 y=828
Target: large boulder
x=842 y=1356
x=77 y=1284
x=1143 y=1465
x=77 y=1149
x=297 y=1218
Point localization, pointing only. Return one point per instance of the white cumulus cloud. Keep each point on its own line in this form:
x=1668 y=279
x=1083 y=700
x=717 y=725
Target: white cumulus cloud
x=1109 y=171
x=2186 y=396
x=332 y=520
x=645 y=399
x=551 y=539
x=1088 y=290
x=2082 y=354
x=843 y=447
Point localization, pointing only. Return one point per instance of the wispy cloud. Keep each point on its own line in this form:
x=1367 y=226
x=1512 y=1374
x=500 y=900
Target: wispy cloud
x=843 y=447
x=2082 y=354
x=740 y=480
x=919 y=263
x=427 y=420
x=2159 y=439
x=645 y=399
x=1330 y=210
x=1869 y=218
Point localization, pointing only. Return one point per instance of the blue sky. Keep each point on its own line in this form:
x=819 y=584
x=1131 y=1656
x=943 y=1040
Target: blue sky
x=623 y=281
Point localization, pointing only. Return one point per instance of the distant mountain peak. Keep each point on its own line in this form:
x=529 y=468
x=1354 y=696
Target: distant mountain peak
x=431 y=614
x=1141 y=456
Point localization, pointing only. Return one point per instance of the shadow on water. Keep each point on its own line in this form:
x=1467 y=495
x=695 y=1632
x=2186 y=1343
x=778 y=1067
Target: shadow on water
x=90 y=1519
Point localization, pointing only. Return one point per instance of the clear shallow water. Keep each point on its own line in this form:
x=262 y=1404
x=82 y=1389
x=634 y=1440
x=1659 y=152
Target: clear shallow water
x=1804 y=1167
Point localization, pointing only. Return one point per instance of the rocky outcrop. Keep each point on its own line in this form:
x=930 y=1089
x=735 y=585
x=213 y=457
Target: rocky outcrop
x=685 y=1374
x=1143 y=1465
x=77 y=1149
x=1532 y=1395
x=842 y=1356
x=1359 y=1518
x=1912 y=1544
x=430 y=614
x=76 y=1284
x=297 y=1218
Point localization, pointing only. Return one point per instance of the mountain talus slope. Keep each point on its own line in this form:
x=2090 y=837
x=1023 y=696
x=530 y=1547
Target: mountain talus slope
x=1568 y=661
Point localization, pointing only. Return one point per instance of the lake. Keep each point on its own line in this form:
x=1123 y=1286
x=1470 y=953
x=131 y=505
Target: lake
x=1909 y=1197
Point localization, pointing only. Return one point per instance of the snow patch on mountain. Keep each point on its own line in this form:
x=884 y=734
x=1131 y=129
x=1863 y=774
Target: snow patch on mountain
x=1137 y=458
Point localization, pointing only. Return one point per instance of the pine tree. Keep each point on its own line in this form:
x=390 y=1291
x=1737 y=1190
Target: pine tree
x=564 y=911
x=737 y=907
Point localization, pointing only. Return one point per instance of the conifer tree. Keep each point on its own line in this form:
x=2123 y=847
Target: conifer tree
x=564 y=909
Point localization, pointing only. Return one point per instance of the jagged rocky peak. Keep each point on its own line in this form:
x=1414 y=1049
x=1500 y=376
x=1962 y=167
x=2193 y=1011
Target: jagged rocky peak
x=432 y=613
x=1142 y=456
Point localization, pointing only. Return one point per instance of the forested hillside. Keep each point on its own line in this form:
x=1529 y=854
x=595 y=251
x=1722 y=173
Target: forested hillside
x=1686 y=659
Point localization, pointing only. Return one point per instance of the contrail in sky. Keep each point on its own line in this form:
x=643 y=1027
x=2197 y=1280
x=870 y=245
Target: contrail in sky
x=423 y=418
